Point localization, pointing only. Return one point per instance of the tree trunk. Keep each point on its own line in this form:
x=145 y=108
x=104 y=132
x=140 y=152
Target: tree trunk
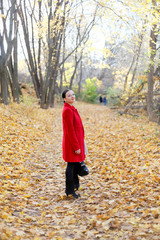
x=75 y=70
x=8 y=61
x=16 y=88
x=137 y=60
x=153 y=41
x=80 y=77
x=129 y=105
x=126 y=78
x=3 y=84
x=150 y=105
x=32 y=65
x=62 y=68
x=54 y=46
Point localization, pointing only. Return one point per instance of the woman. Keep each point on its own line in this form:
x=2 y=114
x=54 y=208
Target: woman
x=73 y=142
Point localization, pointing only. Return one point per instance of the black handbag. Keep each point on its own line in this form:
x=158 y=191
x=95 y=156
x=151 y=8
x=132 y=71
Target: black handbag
x=83 y=170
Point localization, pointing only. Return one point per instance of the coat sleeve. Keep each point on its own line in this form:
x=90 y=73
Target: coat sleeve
x=68 y=118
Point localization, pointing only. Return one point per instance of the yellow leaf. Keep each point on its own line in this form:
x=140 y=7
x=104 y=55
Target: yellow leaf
x=27 y=196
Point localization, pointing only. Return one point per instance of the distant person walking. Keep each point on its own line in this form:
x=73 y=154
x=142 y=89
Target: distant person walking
x=73 y=142
x=100 y=99
x=105 y=101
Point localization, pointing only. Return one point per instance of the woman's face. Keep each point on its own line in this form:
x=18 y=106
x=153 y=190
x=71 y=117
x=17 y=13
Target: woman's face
x=70 y=97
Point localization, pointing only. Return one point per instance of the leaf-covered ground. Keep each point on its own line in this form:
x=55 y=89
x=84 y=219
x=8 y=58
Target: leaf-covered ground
x=120 y=199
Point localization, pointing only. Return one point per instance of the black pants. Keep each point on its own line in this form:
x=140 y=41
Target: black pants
x=72 y=180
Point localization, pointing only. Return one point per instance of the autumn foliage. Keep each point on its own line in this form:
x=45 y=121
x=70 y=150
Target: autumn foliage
x=119 y=198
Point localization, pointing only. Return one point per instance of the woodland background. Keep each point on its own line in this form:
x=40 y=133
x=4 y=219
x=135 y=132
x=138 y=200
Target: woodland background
x=94 y=47
x=97 y=48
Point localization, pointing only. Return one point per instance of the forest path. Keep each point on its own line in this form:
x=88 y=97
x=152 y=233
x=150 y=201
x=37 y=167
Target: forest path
x=119 y=198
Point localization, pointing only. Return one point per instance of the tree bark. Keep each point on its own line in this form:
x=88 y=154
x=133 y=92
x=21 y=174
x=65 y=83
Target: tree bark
x=129 y=105
x=75 y=69
x=126 y=78
x=80 y=77
x=153 y=41
x=9 y=61
x=16 y=89
x=137 y=60
x=54 y=46
x=3 y=84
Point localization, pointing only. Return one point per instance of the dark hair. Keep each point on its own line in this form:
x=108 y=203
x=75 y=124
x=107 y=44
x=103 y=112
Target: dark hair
x=64 y=93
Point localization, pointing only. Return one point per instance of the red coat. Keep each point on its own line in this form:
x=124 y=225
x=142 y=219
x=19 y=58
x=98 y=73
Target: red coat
x=73 y=135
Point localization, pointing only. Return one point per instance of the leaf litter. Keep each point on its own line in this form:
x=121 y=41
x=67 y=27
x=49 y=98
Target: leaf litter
x=120 y=198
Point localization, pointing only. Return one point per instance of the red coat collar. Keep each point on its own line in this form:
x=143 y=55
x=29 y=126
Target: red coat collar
x=68 y=105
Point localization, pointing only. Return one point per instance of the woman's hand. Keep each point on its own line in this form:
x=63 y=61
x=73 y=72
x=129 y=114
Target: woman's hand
x=78 y=151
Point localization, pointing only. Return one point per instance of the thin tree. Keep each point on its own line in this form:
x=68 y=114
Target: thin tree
x=152 y=45
x=31 y=61
x=9 y=53
x=82 y=33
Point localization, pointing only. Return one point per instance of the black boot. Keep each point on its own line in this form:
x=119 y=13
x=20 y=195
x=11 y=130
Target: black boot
x=73 y=195
x=76 y=187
